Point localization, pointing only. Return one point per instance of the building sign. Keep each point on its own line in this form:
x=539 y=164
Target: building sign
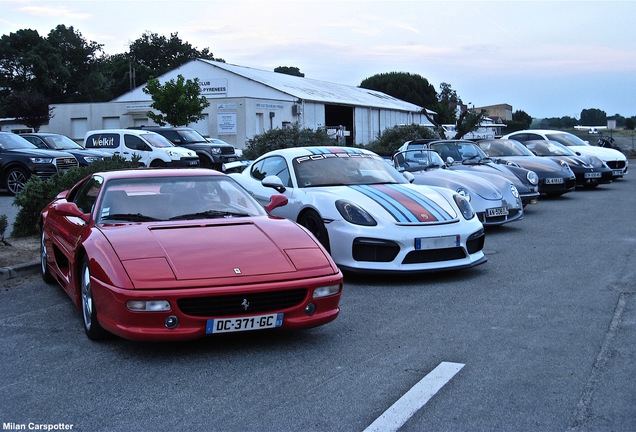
x=139 y=107
x=269 y=106
x=211 y=87
x=226 y=122
x=228 y=106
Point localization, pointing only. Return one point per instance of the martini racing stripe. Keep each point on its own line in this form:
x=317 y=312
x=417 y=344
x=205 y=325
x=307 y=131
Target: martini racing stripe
x=332 y=150
x=424 y=201
x=404 y=205
x=395 y=209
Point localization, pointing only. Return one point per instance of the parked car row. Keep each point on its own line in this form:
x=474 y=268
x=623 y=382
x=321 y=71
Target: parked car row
x=152 y=254
x=41 y=154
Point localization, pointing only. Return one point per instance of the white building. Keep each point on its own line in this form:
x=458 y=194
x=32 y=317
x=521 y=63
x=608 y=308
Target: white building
x=245 y=102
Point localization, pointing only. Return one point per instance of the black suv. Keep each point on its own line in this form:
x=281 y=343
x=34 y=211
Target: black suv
x=19 y=160
x=212 y=153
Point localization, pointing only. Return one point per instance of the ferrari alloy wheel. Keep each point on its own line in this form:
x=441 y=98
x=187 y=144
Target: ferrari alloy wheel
x=89 y=313
x=16 y=180
x=313 y=222
x=46 y=275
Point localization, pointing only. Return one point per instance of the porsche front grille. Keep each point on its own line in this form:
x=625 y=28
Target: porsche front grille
x=232 y=305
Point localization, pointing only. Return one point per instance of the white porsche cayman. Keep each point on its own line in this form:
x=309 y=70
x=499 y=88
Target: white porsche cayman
x=365 y=213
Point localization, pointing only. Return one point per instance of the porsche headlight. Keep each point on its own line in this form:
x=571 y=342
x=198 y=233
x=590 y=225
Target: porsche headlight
x=533 y=178
x=514 y=190
x=354 y=214
x=463 y=192
x=464 y=207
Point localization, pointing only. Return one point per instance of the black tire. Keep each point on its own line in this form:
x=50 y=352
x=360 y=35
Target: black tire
x=313 y=222
x=46 y=275
x=15 y=179
x=93 y=329
x=157 y=163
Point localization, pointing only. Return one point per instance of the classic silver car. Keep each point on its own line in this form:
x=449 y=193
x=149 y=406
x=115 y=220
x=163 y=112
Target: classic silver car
x=494 y=198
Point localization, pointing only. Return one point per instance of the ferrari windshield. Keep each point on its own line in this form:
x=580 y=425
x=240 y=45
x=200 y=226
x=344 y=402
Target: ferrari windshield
x=417 y=160
x=175 y=198
x=344 y=169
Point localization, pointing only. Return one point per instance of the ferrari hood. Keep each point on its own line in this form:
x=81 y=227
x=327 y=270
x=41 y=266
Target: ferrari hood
x=236 y=250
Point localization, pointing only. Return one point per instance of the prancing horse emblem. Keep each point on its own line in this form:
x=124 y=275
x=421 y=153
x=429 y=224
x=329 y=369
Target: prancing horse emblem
x=245 y=304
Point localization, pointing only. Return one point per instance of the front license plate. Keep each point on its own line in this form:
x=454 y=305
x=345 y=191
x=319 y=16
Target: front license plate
x=499 y=211
x=554 y=180
x=441 y=242
x=255 y=322
x=617 y=172
x=593 y=175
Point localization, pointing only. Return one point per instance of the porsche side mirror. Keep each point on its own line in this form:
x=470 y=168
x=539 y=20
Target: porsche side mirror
x=450 y=160
x=408 y=176
x=276 y=201
x=274 y=182
x=72 y=210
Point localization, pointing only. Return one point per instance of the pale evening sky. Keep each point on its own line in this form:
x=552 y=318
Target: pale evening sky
x=549 y=59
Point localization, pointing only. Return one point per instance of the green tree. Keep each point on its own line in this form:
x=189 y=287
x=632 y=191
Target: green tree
x=159 y=54
x=523 y=117
x=593 y=117
x=289 y=70
x=294 y=136
x=468 y=121
x=78 y=75
x=392 y=138
x=179 y=102
x=630 y=123
x=30 y=108
x=408 y=87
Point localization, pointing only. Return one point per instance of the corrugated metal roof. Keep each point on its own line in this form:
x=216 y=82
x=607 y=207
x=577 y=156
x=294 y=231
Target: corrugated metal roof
x=319 y=91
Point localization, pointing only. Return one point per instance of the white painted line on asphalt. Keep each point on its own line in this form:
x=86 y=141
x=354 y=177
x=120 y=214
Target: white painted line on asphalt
x=402 y=410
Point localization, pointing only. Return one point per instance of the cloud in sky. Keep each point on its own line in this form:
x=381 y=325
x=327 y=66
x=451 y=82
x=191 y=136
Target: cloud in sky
x=546 y=58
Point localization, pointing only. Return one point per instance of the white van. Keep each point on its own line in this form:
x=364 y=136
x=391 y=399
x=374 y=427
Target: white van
x=154 y=149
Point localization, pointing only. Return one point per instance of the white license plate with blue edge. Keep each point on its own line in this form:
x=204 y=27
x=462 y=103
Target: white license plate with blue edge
x=441 y=242
x=246 y=323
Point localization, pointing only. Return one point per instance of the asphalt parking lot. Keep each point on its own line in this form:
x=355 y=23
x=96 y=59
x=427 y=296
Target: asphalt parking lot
x=540 y=338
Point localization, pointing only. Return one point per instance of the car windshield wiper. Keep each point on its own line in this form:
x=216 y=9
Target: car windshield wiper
x=132 y=217
x=208 y=214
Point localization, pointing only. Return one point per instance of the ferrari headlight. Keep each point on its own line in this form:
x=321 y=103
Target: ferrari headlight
x=514 y=190
x=533 y=178
x=41 y=160
x=464 y=206
x=148 y=305
x=463 y=192
x=326 y=291
x=354 y=214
